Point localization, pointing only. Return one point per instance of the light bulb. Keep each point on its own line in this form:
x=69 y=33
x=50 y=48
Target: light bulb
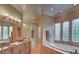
x=23 y=24
x=51 y=9
x=19 y=20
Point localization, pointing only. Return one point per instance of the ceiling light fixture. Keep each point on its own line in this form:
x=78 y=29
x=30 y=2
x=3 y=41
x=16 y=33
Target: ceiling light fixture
x=51 y=9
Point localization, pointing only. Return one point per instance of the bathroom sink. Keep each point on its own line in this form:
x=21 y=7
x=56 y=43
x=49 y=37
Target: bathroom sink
x=20 y=40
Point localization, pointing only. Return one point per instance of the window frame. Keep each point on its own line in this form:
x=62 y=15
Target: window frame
x=1 y=33
x=8 y=32
x=61 y=33
x=70 y=42
x=57 y=41
x=74 y=43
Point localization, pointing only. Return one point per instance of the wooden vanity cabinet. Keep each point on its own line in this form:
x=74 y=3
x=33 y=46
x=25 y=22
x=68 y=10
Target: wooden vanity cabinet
x=6 y=51
x=22 y=48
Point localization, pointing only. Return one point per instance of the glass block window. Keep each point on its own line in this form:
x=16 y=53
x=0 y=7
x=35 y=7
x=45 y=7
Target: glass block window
x=0 y=34
x=5 y=32
x=57 y=31
x=75 y=30
x=66 y=31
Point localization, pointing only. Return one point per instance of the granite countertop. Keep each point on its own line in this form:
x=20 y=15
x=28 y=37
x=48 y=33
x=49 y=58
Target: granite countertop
x=13 y=44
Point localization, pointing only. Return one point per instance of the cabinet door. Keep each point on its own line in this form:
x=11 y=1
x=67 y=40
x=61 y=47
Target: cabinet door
x=28 y=47
x=16 y=50
x=6 y=51
x=22 y=48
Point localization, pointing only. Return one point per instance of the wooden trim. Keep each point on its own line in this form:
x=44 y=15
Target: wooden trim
x=47 y=50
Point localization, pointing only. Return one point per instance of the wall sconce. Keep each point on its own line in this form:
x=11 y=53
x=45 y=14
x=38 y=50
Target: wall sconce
x=10 y=19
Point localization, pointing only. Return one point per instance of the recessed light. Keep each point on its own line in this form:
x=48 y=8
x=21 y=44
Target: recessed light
x=51 y=9
x=61 y=11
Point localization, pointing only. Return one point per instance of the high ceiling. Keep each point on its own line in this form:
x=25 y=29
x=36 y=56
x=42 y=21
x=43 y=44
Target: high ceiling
x=56 y=9
x=32 y=12
x=47 y=8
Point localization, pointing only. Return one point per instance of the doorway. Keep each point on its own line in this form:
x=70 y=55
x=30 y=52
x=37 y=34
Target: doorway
x=33 y=38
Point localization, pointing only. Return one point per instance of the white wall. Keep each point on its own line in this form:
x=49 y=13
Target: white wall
x=27 y=32
x=48 y=23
